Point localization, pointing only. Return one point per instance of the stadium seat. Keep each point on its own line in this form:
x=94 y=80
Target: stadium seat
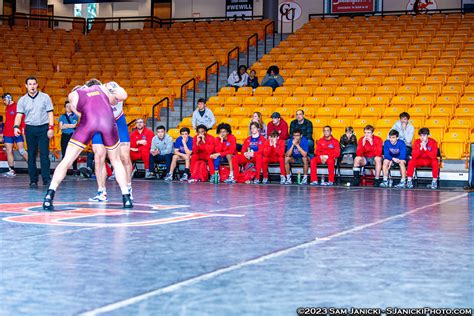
x=263 y=91
x=437 y=127
x=453 y=145
x=460 y=125
x=243 y=92
x=442 y=112
x=233 y=101
x=360 y=124
x=253 y=101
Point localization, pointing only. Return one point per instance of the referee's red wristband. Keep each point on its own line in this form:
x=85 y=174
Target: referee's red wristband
x=51 y=127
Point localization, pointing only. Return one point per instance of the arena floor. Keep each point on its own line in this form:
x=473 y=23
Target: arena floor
x=204 y=249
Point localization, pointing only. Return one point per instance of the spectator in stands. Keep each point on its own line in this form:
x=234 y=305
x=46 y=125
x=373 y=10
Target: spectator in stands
x=2 y=125
x=273 y=78
x=328 y=150
x=274 y=152
x=67 y=125
x=238 y=78
x=203 y=115
x=297 y=152
x=306 y=126
x=203 y=148
x=279 y=125
x=251 y=152
x=349 y=138
x=225 y=149
x=369 y=153
x=161 y=150
x=405 y=130
x=9 y=134
x=257 y=118
x=253 y=80
x=425 y=154
x=37 y=108
x=140 y=143
x=394 y=152
x=183 y=148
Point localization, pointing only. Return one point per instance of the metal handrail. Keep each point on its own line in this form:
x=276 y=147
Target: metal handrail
x=228 y=58
x=193 y=80
x=382 y=13
x=43 y=17
x=273 y=36
x=214 y=18
x=248 y=48
x=167 y=113
x=120 y=20
x=216 y=63
x=131 y=122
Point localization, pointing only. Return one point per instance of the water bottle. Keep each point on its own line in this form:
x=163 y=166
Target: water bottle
x=216 y=177
x=299 y=178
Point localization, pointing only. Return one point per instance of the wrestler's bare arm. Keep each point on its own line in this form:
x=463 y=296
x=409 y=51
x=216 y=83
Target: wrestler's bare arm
x=116 y=91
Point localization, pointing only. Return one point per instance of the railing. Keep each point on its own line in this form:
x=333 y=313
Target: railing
x=248 y=48
x=52 y=21
x=228 y=59
x=272 y=23
x=287 y=13
x=383 y=13
x=154 y=21
x=193 y=80
x=131 y=122
x=216 y=63
x=167 y=113
x=214 y=18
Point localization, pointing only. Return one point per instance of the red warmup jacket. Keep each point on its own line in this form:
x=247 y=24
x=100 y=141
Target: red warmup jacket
x=431 y=151
x=146 y=134
x=329 y=147
x=282 y=128
x=206 y=148
x=227 y=147
x=270 y=151
x=369 y=151
x=261 y=144
x=10 y=114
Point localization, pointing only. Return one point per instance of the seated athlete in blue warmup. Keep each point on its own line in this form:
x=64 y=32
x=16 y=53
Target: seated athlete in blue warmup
x=394 y=151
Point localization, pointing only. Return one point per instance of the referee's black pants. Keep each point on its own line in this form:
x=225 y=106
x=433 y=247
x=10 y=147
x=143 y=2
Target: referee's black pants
x=37 y=136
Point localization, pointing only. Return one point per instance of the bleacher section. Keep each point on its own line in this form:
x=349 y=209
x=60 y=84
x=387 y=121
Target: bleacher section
x=367 y=71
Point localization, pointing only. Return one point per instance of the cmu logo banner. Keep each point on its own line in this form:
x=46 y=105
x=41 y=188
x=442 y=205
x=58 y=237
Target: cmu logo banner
x=84 y=214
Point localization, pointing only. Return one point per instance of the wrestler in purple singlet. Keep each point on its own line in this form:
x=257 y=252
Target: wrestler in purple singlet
x=96 y=116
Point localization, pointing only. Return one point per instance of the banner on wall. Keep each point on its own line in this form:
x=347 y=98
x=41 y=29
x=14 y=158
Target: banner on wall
x=423 y=5
x=289 y=10
x=352 y=6
x=238 y=8
x=468 y=5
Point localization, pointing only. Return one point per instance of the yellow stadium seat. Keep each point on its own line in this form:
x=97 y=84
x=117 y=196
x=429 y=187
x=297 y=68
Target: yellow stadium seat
x=309 y=112
x=244 y=92
x=379 y=101
x=450 y=89
x=215 y=101
x=243 y=124
x=273 y=101
x=365 y=91
x=186 y=122
x=457 y=79
x=447 y=100
x=336 y=101
x=233 y=101
x=241 y=112
x=466 y=112
x=319 y=122
x=469 y=90
x=221 y=111
x=453 y=145
x=293 y=102
x=389 y=91
x=293 y=82
x=174 y=133
x=332 y=82
x=283 y=91
x=326 y=112
x=393 y=111
x=338 y=126
x=442 y=112
x=227 y=91
x=253 y=101
x=315 y=101
x=323 y=91
x=263 y=91
x=357 y=101
x=344 y=91
x=436 y=79
x=312 y=82
x=286 y=112
x=264 y=110
x=349 y=112
x=240 y=135
x=467 y=101
x=360 y=124
x=419 y=111
x=371 y=112
x=423 y=100
x=232 y=121
x=401 y=101
x=408 y=90
x=437 y=127
x=460 y=125
x=304 y=91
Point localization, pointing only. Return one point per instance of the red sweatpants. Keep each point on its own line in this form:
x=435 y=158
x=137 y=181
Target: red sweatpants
x=141 y=154
x=423 y=162
x=205 y=158
x=241 y=160
x=273 y=159
x=314 y=170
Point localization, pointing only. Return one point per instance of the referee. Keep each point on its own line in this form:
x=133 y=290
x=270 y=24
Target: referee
x=39 y=118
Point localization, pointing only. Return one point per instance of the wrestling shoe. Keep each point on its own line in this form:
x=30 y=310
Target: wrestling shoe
x=100 y=197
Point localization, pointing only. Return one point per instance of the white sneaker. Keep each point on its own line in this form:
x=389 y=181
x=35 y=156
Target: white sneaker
x=282 y=179
x=265 y=181
x=304 y=180
x=169 y=177
x=288 y=180
x=10 y=174
x=230 y=180
x=100 y=197
x=185 y=177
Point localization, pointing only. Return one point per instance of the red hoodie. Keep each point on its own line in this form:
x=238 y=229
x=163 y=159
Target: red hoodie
x=278 y=151
x=282 y=129
x=227 y=147
x=369 y=151
x=330 y=147
x=10 y=114
x=431 y=151
x=146 y=134
x=206 y=148
x=259 y=144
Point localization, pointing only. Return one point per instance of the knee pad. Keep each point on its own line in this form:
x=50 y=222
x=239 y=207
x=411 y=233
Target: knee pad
x=22 y=151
